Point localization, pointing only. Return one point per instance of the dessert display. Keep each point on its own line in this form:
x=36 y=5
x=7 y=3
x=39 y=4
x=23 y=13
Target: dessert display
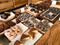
x=25 y=37
x=3 y=26
x=51 y=14
x=35 y=6
x=23 y=17
x=32 y=32
x=43 y=25
x=34 y=9
x=18 y=43
x=6 y=16
x=12 y=32
x=27 y=19
x=34 y=20
x=29 y=35
x=26 y=24
x=38 y=8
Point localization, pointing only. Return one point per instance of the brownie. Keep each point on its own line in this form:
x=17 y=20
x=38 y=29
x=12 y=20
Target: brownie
x=10 y=23
x=18 y=43
x=3 y=26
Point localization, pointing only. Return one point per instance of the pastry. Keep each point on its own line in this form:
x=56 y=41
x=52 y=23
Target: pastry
x=23 y=17
x=28 y=23
x=6 y=16
x=32 y=32
x=36 y=7
x=51 y=14
x=43 y=25
x=34 y=20
x=3 y=26
x=34 y=10
x=18 y=43
x=25 y=37
x=10 y=23
x=13 y=32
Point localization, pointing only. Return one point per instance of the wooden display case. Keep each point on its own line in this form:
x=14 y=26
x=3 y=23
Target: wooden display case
x=11 y=4
x=18 y=3
x=6 y=4
x=34 y=1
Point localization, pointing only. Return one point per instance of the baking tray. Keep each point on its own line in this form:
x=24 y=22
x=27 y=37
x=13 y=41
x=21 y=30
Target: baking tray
x=55 y=15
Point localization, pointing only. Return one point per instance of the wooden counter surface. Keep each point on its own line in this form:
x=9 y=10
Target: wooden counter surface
x=51 y=37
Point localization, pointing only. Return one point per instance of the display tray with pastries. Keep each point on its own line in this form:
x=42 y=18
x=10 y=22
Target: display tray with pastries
x=30 y=21
x=25 y=25
x=29 y=37
x=34 y=9
x=38 y=7
x=12 y=33
x=52 y=14
x=5 y=25
x=6 y=16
